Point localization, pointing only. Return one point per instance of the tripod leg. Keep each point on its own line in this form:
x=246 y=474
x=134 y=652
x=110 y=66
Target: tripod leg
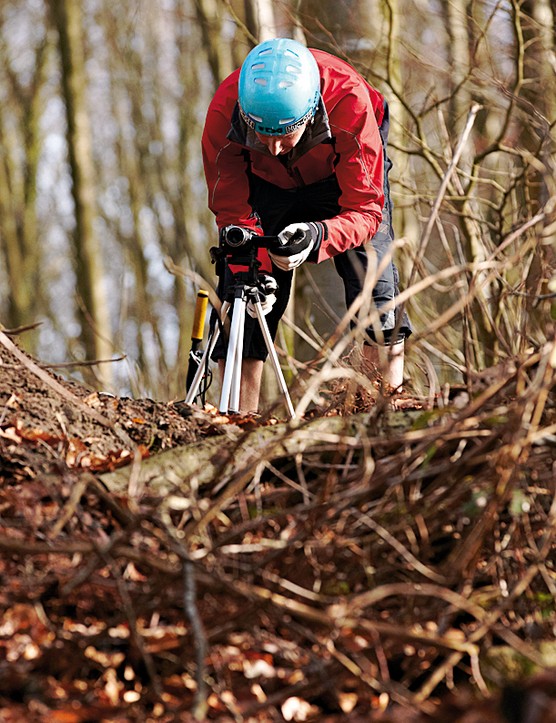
x=238 y=364
x=194 y=388
x=274 y=358
x=232 y=368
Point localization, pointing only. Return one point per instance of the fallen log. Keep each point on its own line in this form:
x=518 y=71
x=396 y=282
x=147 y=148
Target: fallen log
x=199 y=463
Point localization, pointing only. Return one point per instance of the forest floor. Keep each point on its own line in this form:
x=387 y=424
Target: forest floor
x=396 y=564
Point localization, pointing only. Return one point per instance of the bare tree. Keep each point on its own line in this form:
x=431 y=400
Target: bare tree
x=211 y=15
x=260 y=19
x=93 y=307
x=537 y=147
x=192 y=240
x=20 y=140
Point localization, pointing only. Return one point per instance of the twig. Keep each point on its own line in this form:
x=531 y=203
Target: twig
x=21 y=329
x=416 y=564
x=69 y=508
x=436 y=677
x=200 y=705
x=132 y=619
x=475 y=108
x=84 y=363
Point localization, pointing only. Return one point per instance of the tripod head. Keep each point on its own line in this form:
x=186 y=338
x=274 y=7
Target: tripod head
x=239 y=246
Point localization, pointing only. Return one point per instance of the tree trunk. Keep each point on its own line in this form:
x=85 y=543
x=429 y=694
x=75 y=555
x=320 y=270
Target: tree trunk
x=537 y=136
x=18 y=193
x=187 y=249
x=94 y=314
x=260 y=20
x=210 y=14
x=457 y=18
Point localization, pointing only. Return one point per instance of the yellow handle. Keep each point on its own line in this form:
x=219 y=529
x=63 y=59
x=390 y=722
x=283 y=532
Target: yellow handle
x=200 y=314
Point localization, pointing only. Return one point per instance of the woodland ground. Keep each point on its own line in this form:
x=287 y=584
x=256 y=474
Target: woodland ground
x=396 y=564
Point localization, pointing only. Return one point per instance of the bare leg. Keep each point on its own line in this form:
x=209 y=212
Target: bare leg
x=386 y=362
x=251 y=375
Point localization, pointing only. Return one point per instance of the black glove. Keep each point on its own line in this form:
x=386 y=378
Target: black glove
x=298 y=241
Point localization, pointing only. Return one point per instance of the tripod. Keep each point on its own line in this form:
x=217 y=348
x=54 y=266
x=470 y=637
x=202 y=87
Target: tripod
x=245 y=289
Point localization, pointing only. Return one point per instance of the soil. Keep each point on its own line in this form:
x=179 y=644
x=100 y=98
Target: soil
x=83 y=428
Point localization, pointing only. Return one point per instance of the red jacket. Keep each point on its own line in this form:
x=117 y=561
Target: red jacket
x=352 y=113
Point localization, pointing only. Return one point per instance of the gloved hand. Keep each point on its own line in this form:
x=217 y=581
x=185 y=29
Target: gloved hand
x=267 y=295
x=298 y=240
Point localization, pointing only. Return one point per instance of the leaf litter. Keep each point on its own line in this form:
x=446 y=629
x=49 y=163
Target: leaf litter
x=398 y=567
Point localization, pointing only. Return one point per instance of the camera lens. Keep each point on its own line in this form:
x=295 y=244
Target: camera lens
x=237 y=236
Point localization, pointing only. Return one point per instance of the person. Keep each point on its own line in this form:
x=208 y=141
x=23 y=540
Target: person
x=294 y=145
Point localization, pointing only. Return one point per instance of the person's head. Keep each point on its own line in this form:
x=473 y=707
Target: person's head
x=279 y=91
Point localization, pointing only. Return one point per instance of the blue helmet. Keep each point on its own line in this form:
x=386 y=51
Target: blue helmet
x=279 y=87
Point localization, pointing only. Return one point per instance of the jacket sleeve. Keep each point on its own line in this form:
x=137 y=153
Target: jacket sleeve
x=360 y=175
x=225 y=165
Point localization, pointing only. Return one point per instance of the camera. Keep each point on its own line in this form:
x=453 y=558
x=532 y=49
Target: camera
x=238 y=241
x=236 y=236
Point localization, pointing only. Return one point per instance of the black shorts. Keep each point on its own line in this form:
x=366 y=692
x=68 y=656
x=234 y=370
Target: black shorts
x=277 y=208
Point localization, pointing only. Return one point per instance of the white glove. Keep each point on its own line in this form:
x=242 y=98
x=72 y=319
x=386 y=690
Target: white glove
x=267 y=295
x=298 y=240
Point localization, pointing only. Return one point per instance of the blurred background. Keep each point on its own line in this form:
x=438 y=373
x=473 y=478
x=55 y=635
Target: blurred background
x=104 y=227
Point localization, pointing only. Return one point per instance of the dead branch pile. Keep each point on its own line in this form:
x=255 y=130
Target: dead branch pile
x=362 y=570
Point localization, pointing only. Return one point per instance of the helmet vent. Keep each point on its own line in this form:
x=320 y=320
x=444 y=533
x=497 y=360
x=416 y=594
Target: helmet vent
x=260 y=81
x=284 y=84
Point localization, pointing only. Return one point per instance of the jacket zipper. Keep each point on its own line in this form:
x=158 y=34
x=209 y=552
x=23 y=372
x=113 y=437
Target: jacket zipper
x=295 y=175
